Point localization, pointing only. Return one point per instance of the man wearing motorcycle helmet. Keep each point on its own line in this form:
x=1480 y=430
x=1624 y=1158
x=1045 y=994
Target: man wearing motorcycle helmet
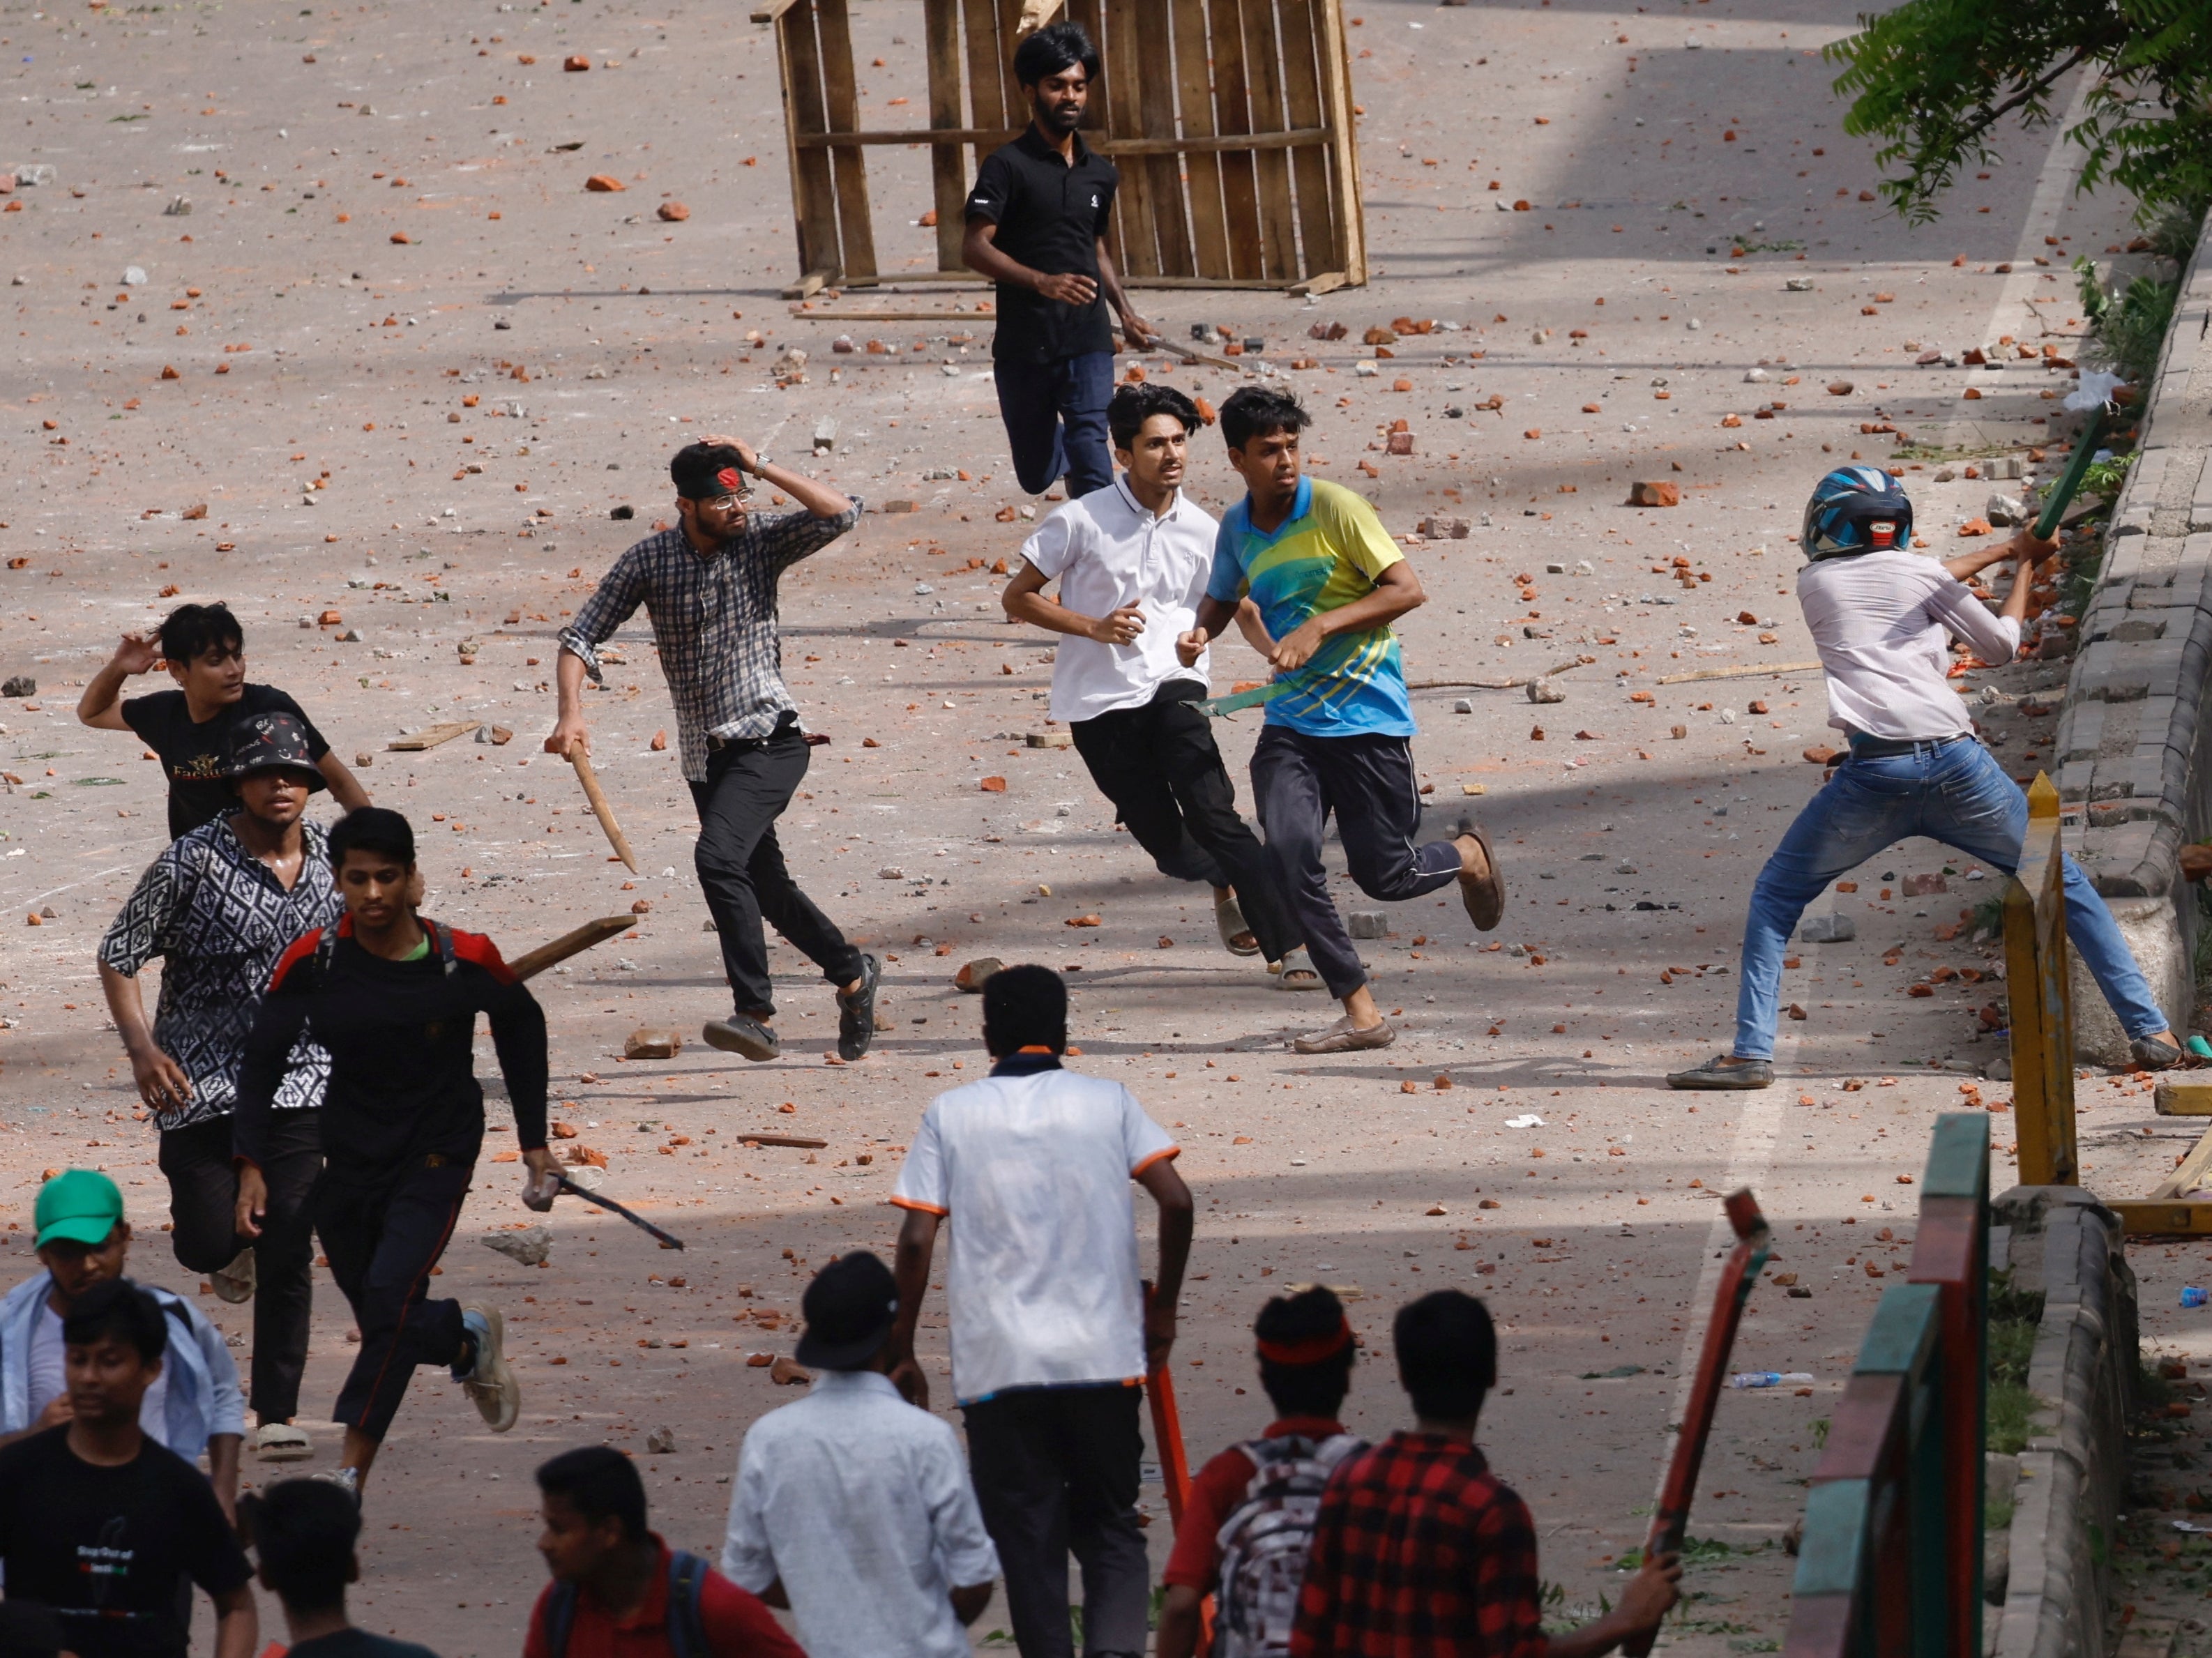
x=1882 y=618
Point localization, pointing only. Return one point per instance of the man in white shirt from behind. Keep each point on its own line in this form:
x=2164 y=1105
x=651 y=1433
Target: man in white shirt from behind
x=1131 y=561
x=1882 y=617
x=1051 y=1336
x=853 y=1508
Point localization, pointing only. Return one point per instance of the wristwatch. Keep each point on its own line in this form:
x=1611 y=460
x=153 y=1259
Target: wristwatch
x=760 y=462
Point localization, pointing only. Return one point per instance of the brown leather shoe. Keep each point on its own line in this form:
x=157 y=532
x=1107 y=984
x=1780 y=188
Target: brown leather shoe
x=1484 y=896
x=1344 y=1038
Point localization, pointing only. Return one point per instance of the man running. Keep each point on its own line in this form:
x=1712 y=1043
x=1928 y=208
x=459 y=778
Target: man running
x=1325 y=582
x=710 y=586
x=394 y=997
x=221 y=906
x=190 y=727
x=1881 y=615
x=1131 y=562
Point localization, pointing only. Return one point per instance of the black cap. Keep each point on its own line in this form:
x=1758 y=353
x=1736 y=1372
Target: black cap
x=704 y=471
x=849 y=1309
x=273 y=742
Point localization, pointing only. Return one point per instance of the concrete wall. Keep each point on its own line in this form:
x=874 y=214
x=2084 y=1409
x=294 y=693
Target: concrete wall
x=2132 y=747
x=2055 y=1594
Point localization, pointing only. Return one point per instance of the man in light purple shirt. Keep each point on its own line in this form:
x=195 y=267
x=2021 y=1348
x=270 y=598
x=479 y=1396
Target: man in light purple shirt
x=1882 y=618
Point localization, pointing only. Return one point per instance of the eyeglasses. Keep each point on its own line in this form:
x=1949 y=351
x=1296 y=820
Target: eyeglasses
x=729 y=503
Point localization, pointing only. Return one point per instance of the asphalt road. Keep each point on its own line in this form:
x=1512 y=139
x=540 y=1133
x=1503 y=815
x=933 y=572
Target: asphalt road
x=417 y=365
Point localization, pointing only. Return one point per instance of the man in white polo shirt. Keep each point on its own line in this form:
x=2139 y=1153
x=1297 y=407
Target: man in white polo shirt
x=1131 y=561
x=1051 y=1334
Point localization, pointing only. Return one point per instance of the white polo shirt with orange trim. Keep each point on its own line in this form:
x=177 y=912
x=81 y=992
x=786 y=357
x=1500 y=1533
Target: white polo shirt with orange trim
x=1034 y=1172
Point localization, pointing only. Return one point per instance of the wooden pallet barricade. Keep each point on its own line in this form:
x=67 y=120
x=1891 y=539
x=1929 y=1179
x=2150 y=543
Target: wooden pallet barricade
x=1230 y=120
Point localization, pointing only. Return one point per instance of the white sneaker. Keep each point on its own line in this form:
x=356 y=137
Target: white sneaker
x=346 y=1479
x=497 y=1394
x=234 y=1283
x=280 y=1441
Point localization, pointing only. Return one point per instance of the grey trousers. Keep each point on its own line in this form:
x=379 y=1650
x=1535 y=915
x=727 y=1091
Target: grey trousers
x=1368 y=781
x=1056 y=1472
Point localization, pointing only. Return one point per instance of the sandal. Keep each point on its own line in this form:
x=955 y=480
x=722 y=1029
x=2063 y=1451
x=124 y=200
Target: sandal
x=1485 y=897
x=1229 y=916
x=1294 y=971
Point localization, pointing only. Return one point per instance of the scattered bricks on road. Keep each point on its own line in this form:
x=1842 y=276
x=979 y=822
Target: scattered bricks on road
x=1654 y=492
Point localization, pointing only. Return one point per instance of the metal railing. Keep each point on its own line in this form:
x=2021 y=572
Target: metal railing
x=1891 y=1558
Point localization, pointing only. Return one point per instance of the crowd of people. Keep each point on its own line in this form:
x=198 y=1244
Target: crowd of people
x=308 y=1068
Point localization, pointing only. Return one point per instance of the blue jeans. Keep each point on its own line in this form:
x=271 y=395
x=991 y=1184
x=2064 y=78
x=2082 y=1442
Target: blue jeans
x=1957 y=794
x=1055 y=419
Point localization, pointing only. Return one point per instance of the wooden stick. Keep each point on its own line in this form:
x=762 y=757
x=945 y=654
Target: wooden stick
x=573 y=943
x=1493 y=684
x=1671 y=1517
x=600 y=808
x=804 y=1142
x=1738 y=673
x=430 y=735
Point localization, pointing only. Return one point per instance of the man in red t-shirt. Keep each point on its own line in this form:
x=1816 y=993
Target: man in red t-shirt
x=620 y=1592
x=1305 y=1350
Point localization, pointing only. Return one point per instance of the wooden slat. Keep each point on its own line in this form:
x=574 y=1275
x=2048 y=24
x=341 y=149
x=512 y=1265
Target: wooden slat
x=2182 y=1099
x=1163 y=171
x=2160 y=1218
x=948 y=172
x=773 y=10
x=1346 y=200
x=1301 y=106
x=987 y=97
x=1240 y=189
x=2190 y=1175
x=916 y=137
x=1010 y=28
x=1124 y=46
x=1263 y=77
x=811 y=186
x=1195 y=98
x=430 y=735
x=855 y=227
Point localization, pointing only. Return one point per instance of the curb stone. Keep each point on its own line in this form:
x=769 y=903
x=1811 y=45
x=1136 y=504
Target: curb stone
x=2082 y=1372
x=2146 y=641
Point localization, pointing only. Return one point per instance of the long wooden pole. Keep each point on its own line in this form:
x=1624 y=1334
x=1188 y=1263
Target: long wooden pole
x=600 y=808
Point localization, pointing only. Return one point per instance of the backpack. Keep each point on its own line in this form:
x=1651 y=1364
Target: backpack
x=687 y=1628
x=1264 y=1543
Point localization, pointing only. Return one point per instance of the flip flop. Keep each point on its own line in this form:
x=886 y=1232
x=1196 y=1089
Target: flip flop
x=1295 y=973
x=280 y=1441
x=1229 y=916
x=1486 y=898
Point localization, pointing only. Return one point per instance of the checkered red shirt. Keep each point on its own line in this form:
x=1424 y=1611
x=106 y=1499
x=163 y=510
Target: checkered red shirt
x=1420 y=1552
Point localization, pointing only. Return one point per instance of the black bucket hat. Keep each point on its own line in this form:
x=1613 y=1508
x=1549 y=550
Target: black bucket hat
x=849 y=1309
x=273 y=742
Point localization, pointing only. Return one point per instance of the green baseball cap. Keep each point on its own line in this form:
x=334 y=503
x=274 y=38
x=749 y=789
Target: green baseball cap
x=81 y=1205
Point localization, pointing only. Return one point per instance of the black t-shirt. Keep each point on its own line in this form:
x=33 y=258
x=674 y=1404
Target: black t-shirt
x=1050 y=215
x=194 y=754
x=104 y=1547
x=358 y=1643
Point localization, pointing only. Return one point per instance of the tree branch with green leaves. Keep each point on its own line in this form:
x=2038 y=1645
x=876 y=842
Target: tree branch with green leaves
x=1941 y=81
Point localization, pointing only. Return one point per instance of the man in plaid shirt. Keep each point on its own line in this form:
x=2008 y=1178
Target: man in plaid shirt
x=1420 y=1550
x=709 y=586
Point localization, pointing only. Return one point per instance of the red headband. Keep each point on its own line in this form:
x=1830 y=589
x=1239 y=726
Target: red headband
x=1312 y=1350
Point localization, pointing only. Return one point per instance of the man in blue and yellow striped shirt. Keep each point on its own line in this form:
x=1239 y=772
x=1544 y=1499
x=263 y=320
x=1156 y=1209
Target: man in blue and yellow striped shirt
x=1314 y=582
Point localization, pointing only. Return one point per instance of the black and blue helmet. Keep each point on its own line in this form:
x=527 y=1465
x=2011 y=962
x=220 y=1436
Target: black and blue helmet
x=1855 y=509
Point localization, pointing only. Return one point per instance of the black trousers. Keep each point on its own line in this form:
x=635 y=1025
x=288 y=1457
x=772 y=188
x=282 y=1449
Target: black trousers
x=741 y=872
x=202 y=1205
x=1056 y=1471
x=382 y=1238
x=1368 y=781
x=1159 y=767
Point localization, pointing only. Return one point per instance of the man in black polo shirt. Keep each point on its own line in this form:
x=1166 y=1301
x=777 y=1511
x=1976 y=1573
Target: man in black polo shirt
x=1036 y=227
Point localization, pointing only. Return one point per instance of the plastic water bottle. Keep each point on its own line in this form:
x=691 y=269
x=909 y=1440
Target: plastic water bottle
x=2193 y=1296
x=1770 y=1379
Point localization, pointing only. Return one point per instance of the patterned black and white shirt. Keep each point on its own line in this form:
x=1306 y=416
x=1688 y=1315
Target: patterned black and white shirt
x=714 y=621
x=217 y=915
